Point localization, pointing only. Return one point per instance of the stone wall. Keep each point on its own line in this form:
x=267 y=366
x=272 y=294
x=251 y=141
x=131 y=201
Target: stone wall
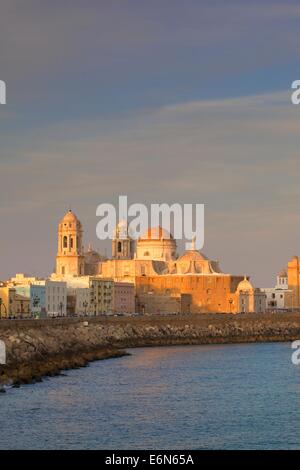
x=208 y=293
x=41 y=347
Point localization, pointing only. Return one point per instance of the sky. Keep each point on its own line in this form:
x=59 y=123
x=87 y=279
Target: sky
x=162 y=101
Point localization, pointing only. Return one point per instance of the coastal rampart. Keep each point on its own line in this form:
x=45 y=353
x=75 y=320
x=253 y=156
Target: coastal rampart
x=35 y=348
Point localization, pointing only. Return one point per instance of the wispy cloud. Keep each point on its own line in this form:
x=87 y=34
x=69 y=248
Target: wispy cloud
x=238 y=156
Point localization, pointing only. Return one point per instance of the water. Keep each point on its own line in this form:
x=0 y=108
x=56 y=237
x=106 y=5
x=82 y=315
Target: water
x=189 y=397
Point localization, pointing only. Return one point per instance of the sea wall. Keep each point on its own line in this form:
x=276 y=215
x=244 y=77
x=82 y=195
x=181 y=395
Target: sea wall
x=36 y=348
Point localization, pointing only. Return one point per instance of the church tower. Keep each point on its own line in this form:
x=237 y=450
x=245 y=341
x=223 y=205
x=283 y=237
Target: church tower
x=122 y=244
x=70 y=258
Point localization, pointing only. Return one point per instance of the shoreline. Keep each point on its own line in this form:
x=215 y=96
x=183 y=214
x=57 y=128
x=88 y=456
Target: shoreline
x=36 y=349
x=30 y=373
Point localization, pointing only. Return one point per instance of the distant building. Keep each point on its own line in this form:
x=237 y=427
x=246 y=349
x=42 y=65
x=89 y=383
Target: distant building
x=163 y=280
x=12 y=304
x=78 y=301
x=38 y=300
x=22 y=279
x=279 y=297
x=123 y=297
x=77 y=293
x=101 y=295
x=42 y=297
x=250 y=299
x=56 y=298
x=82 y=301
x=198 y=294
x=108 y=297
x=70 y=258
x=122 y=244
x=294 y=282
x=92 y=262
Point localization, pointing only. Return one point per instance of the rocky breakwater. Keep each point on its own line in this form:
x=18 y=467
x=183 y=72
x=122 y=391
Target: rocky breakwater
x=44 y=347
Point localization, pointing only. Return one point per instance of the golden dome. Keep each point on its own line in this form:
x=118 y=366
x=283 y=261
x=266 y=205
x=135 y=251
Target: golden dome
x=245 y=285
x=156 y=233
x=192 y=255
x=70 y=218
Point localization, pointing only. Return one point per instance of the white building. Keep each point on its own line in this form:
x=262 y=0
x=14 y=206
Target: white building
x=78 y=294
x=250 y=299
x=47 y=297
x=82 y=304
x=56 y=298
x=277 y=297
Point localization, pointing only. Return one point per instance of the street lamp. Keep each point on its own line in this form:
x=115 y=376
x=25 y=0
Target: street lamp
x=85 y=304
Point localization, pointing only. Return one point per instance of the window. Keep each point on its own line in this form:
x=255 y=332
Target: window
x=119 y=247
x=65 y=242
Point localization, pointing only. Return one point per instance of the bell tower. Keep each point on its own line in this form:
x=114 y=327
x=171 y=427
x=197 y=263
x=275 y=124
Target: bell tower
x=70 y=258
x=122 y=244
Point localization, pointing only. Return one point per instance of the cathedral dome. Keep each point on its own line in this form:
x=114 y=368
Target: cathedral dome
x=156 y=244
x=92 y=262
x=192 y=261
x=156 y=233
x=192 y=255
x=245 y=285
x=70 y=219
x=92 y=256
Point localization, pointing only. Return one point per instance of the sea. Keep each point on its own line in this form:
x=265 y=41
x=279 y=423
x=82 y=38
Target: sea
x=242 y=396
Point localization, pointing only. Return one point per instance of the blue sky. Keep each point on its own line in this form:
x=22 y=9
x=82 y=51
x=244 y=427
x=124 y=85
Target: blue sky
x=163 y=101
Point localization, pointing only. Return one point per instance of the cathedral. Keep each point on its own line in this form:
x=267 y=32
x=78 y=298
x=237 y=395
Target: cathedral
x=164 y=281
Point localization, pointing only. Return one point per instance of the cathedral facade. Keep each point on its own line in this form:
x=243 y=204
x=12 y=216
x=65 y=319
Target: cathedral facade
x=165 y=282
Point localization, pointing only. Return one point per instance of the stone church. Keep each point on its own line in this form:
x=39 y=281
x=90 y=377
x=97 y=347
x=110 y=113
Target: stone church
x=164 y=280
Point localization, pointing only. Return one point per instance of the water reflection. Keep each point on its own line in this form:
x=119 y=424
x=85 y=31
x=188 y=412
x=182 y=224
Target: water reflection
x=241 y=396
